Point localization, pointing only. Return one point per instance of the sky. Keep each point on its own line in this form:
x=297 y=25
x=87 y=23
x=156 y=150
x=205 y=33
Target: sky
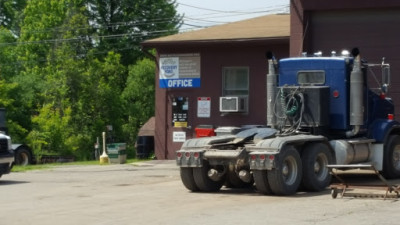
x=205 y=13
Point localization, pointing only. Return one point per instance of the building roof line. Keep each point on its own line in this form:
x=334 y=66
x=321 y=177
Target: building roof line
x=270 y=27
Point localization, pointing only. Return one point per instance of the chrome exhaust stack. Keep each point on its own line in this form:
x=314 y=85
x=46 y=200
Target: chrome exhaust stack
x=356 y=95
x=272 y=79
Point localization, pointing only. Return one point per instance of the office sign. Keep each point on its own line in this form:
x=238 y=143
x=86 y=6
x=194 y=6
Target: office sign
x=179 y=70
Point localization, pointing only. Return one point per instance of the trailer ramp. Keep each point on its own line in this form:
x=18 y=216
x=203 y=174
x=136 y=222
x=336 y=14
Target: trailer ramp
x=346 y=189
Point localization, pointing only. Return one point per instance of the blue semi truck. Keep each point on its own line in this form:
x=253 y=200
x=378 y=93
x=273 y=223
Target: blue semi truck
x=321 y=111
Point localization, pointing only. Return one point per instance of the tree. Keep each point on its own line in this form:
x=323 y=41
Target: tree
x=139 y=97
x=52 y=133
x=53 y=52
x=8 y=57
x=99 y=103
x=64 y=74
x=10 y=91
x=123 y=24
x=10 y=12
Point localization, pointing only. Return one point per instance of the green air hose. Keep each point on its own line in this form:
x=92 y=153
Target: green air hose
x=292 y=111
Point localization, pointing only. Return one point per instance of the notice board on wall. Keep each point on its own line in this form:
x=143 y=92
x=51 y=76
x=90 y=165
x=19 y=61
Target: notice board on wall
x=203 y=107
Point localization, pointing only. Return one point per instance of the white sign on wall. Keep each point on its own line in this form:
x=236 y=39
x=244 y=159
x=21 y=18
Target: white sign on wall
x=203 y=107
x=178 y=136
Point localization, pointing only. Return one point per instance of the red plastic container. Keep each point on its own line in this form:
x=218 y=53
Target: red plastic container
x=204 y=131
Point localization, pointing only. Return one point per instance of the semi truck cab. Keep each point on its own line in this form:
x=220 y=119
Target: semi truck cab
x=332 y=105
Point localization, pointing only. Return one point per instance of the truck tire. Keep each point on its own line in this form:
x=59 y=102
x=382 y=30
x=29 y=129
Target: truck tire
x=187 y=179
x=23 y=156
x=203 y=182
x=261 y=180
x=286 y=177
x=391 y=157
x=315 y=158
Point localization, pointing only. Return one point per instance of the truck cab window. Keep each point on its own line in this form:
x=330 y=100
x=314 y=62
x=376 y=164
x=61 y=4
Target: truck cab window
x=311 y=77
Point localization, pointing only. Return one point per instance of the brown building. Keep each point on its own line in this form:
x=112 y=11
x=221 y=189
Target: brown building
x=370 y=25
x=201 y=66
x=229 y=60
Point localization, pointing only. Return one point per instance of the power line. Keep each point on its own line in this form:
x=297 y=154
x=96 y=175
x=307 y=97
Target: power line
x=205 y=18
x=98 y=26
x=202 y=18
x=94 y=37
x=62 y=59
x=224 y=11
x=206 y=9
x=279 y=9
x=210 y=19
x=193 y=25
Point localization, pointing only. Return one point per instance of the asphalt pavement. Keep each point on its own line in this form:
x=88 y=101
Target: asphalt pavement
x=152 y=193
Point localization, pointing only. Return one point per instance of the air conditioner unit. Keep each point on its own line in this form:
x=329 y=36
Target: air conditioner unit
x=233 y=104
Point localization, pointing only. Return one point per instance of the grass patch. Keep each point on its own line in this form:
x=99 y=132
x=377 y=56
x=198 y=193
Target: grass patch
x=32 y=167
x=80 y=163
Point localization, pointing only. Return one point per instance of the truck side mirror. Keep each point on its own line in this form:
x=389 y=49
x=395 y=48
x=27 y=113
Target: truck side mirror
x=385 y=76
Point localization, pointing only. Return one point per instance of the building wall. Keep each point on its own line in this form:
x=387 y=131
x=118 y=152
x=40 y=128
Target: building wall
x=336 y=25
x=301 y=12
x=213 y=58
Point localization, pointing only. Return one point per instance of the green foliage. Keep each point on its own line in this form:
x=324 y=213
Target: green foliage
x=10 y=97
x=7 y=55
x=129 y=20
x=10 y=12
x=52 y=132
x=138 y=96
x=69 y=68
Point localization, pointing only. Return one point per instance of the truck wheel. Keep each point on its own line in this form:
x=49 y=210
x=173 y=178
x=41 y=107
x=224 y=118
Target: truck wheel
x=316 y=176
x=203 y=182
x=23 y=156
x=187 y=178
x=261 y=180
x=286 y=177
x=391 y=157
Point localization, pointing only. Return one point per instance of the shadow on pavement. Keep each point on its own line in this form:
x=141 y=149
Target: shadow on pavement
x=253 y=192
x=12 y=182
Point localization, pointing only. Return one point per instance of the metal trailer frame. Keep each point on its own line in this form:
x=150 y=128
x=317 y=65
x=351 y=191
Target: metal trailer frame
x=368 y=169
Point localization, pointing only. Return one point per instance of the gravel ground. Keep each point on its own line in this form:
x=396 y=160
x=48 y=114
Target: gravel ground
x=152 y=193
